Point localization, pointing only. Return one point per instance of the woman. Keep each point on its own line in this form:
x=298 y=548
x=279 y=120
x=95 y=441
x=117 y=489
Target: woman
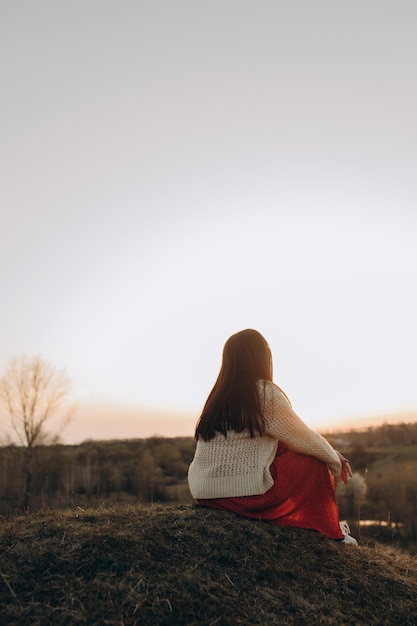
x=255 y=456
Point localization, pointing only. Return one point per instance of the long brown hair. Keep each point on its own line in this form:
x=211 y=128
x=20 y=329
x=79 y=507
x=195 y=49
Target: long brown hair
x=234 y=403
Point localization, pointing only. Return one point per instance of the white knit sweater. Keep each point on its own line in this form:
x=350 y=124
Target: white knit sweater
x=238 y=465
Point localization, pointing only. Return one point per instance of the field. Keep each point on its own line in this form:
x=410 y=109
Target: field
x=185 y=565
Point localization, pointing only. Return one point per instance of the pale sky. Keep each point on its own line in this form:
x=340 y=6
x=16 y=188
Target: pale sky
x=175 y=171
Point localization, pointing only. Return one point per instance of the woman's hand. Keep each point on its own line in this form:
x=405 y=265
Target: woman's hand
x=346 y=472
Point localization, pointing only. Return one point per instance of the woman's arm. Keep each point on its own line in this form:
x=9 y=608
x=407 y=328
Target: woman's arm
x=346 y=473
x=284 y=424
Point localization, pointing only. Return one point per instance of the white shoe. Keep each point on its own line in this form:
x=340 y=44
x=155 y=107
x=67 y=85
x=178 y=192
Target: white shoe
x=344 y=527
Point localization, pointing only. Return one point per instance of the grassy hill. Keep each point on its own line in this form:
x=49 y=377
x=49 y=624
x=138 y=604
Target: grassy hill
x=185 y=565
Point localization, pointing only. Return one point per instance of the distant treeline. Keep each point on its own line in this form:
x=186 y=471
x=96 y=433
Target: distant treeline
x=386 y=435
x=384 y=485
x=95 y=472
x=383 y=458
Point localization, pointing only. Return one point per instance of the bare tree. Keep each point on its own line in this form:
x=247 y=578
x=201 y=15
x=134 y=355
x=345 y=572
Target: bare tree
x=32 y=391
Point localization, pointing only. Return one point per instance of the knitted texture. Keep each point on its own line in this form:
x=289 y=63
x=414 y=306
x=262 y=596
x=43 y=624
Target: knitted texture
x=238 y=465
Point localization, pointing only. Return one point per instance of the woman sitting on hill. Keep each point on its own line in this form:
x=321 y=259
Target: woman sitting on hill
x=255 y=456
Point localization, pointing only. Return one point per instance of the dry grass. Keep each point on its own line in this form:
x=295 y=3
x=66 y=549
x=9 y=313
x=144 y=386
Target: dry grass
x=185 y=565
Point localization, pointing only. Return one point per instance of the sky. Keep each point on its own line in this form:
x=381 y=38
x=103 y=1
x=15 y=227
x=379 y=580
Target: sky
x=174 y=172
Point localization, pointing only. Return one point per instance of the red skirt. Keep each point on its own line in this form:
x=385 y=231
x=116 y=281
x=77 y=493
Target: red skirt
x=302 y=496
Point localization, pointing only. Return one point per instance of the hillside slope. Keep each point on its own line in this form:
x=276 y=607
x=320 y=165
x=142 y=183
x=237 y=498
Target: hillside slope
x=185 y=565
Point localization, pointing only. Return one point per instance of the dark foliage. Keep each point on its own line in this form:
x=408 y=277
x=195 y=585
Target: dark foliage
x=105 y=473
x=97 y=472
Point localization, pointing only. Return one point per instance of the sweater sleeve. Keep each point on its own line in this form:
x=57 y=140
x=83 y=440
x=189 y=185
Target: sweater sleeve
x=285 y=425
